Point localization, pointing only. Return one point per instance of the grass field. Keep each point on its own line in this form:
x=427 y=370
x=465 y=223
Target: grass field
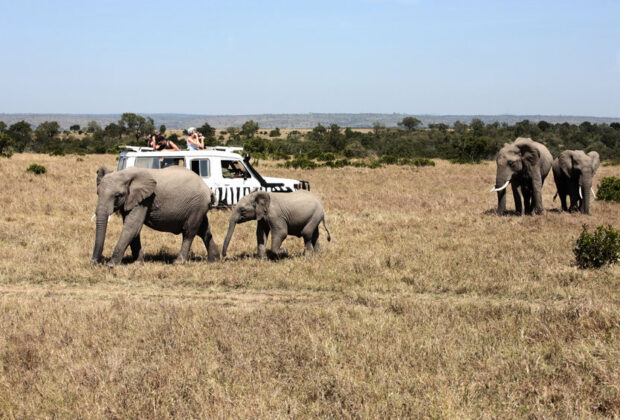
x=423 y=304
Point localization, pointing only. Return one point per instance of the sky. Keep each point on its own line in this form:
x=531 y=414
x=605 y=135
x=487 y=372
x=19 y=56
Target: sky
x=275 y=56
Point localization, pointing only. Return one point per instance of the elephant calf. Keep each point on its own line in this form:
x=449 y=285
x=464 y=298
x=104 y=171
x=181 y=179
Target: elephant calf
x=573 y=171
x=297 y=213
x=172 y=200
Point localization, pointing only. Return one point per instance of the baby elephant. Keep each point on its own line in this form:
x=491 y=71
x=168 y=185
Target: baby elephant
x=297 y=213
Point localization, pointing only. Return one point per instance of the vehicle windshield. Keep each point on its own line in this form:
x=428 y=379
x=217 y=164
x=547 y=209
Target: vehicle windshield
x=234 y=169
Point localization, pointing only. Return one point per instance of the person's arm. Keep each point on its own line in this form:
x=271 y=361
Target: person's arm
x=173 y=146
x=201 y=139
x=192 y=141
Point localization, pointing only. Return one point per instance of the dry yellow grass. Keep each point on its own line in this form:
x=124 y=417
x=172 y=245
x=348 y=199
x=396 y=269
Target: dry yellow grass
x=424 y=304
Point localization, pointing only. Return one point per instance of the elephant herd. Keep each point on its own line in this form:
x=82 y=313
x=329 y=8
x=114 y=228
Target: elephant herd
x=176 y=200
x=525 y=164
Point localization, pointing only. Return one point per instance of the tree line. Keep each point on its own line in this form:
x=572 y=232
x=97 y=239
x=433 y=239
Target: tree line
x=460 y=142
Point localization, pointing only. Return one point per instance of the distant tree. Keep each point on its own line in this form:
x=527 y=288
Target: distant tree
x=233 y=133
x=113 y=130
x=544 y=125
x=335 y=139
x=379 y=129
x=209 y=133
x=615 y=125
x=47 y=129
x=75 y=128
x=249 y=128
x=21 y=133
x=477 y=126
x=275 y=132
x=440 y=127
x=2 y=126
x=6 y=145
x=92 y=127
x=459 y=127
x=162 y=129
x=410 y=123
x=137 y=124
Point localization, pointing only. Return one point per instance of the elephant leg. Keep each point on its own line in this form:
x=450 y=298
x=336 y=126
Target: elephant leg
x=537 y=203
x=262 y=233
x=527 y=200
x=517 y=197
x=563 y=201
x=315 y=240
x=277 y=237
x=213 y=252
x=574 y=198
x=132 y=225
x=136 y=249
x=186 y=245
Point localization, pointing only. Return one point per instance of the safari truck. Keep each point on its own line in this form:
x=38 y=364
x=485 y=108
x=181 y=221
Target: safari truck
x=229 y=175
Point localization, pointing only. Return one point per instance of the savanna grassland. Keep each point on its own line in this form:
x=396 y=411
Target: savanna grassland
x=423 y=304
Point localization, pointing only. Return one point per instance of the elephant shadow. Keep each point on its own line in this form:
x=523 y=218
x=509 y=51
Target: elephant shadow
x=164 y=258
x=513 y=213
x=271 y=256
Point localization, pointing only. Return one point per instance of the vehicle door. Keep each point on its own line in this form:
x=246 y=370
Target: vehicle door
x=235 y=180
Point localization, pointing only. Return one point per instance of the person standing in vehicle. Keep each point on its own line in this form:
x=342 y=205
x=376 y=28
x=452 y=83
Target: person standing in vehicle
x=195 y=140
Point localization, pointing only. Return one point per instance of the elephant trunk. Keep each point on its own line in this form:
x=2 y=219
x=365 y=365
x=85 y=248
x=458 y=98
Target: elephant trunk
x=231 y=229
x=585 y=184
x=102 y=225
x=502 y=180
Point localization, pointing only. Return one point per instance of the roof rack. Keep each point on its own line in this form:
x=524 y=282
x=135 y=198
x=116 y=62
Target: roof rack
x=136 y=148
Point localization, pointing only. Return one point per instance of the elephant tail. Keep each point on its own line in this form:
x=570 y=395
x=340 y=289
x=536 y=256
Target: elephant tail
x=329 y=237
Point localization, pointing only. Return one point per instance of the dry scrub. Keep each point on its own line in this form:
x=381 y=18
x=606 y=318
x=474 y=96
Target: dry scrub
x=424 y=304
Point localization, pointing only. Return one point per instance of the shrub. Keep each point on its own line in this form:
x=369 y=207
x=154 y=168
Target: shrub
x=609 y=189
x=593 y=250
x=422 y=162
x=6 y=146
x=36 y=169
x=300 y=162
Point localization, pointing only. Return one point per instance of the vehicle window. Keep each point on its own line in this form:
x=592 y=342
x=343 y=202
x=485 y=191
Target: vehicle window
x=234 y=169
x=201 y=167
x=147 y=162
x=122 y=164
x=165 y=162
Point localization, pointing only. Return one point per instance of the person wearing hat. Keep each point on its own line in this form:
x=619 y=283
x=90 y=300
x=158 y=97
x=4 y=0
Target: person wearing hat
x=195 y=140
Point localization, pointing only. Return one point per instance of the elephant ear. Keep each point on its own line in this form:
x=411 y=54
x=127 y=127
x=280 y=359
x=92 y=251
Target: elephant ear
x=566 y=162
x=101 y=172
x=529 y=153
x=596 y=161
x=261 y=204
x=141 y=185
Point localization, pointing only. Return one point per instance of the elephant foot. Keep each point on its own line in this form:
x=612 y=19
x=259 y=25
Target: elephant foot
x=213 y=259
x=180 y=260
x=280 y=253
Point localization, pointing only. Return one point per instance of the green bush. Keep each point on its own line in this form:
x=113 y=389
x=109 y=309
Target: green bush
x=609 y=189
x=422 y=162
x=36 y=169
x=594 y=250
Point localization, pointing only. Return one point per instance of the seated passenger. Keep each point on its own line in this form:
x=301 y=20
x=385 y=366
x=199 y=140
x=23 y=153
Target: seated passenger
x=195 y=140
x=163 y=143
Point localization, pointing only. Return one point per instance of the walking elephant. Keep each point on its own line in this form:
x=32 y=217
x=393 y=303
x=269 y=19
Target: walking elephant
x=573 y=171
x=297 y=213
x=524 y=164
x=172 y=200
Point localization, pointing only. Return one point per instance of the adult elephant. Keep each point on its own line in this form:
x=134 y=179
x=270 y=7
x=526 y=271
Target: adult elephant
x=525 y=164
x=172 y=200
x=297 y=213
x=573 y=171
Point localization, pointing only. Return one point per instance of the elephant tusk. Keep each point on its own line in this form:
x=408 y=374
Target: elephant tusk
x=494 y=189
x=593 y=193
x=93 y=218
x=580 y=194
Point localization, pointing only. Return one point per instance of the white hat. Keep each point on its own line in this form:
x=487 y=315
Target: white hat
x=191 y=130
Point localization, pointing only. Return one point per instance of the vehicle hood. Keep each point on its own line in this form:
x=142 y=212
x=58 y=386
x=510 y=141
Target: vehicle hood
x=286 y=181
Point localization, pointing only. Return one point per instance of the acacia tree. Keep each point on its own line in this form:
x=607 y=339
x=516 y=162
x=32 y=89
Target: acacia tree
x=249 y=128
x=410 y=123
x=136 y=124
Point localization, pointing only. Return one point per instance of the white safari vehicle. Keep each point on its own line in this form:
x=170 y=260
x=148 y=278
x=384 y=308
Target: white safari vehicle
x=229 y=175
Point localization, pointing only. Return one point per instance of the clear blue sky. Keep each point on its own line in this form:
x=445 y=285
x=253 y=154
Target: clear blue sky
x=271 y=56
